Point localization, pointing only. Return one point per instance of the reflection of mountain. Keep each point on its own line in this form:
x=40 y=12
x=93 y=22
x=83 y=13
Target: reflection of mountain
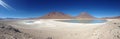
x=56 y=15
x=85 y=15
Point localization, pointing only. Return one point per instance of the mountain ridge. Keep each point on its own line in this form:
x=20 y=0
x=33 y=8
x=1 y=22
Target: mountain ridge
x=56 y=15
x=61 y=15
x=85 y=15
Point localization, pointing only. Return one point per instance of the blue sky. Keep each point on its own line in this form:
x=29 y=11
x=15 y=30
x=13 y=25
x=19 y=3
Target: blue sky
x=37 y=8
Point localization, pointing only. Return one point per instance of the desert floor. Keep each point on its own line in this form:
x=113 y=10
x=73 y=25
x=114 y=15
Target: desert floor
x=51 y=29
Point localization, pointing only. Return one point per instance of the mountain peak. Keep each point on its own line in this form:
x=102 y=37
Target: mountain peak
x=56 y=15
x=85 y=15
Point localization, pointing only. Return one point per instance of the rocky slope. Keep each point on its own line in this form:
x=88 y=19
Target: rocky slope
x=8 y=32
x=56 y=15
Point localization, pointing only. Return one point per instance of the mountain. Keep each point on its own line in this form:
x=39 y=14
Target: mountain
x=56 y=15
x=10 y=18
x=85 y=15
x=1 y=19
x=115 y=17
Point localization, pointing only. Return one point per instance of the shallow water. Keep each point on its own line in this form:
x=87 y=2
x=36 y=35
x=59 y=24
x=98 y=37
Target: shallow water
x=83 y=21
x=29 y=21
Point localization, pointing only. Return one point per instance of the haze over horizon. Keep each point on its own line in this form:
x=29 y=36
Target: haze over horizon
x=37 y=8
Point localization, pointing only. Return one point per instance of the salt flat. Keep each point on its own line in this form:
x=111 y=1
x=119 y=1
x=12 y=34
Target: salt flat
x=51 y=29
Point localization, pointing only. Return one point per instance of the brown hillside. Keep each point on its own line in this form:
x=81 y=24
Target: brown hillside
x=56 y=15
x=85 y=15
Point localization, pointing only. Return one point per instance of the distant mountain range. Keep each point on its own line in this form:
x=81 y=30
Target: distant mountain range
x=116 y=17
x=60 y=15
x=83 y=15
x=10 y=18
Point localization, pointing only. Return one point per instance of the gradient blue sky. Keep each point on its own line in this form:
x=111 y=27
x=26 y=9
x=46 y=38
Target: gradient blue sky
x=37 y=8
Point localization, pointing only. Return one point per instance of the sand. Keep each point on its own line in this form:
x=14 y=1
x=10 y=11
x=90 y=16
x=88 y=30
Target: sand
x=9 y=32
x=51 y=29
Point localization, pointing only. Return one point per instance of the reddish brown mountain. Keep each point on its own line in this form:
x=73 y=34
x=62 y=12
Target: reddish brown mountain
x=56 y=15
x=85 y=15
